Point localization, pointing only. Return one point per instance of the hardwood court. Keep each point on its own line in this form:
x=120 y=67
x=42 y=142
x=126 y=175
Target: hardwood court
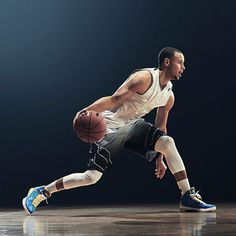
x=118 y=220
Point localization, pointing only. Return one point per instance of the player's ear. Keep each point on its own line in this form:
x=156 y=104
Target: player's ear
x=166 y=61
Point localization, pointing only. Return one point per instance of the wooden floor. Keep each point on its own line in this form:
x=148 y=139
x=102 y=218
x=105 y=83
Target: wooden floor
x=118 y=220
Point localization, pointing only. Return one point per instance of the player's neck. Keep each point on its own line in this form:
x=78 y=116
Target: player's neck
x=163 y=79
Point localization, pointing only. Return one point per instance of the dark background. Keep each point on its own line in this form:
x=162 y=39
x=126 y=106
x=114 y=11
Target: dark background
x=57 y=57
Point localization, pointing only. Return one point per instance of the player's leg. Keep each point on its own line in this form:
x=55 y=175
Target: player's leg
x=191 y=200
x=166 y=146
x=101 y=160
x=38 y=194
x=75 y=180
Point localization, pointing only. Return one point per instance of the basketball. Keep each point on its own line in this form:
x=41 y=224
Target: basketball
x=90 y=126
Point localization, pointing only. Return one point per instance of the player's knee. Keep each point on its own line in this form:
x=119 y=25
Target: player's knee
x=163 y=143
x=92 y=176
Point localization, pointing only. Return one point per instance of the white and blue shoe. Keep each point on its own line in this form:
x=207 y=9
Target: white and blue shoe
x=34 y=198
x=192 y=201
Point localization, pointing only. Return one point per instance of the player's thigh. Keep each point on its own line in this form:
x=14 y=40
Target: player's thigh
x=105 y=152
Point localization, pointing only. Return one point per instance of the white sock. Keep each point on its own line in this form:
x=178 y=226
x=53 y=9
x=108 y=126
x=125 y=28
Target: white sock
x=183 y=186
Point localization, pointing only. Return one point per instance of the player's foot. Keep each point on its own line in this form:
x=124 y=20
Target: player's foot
x=192 y=201
x=33 y=199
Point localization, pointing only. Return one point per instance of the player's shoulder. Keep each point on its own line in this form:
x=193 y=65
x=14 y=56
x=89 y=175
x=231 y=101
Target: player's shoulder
x=142 y=75
x=139 y=81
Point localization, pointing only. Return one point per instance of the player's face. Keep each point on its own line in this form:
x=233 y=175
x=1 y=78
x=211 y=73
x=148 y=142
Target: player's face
x=176 y=66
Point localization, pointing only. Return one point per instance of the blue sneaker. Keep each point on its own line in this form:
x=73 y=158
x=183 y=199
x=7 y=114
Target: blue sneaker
x=33 y=199
x=192 y=201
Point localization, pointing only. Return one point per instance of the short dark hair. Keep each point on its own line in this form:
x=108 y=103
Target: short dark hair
x=167 y=52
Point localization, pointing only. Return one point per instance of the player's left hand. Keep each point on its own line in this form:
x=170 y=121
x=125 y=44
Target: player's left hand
x=79 y=113
x=160 y=167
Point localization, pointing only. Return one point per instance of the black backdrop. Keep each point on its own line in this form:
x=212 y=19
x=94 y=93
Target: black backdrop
x=58 y=56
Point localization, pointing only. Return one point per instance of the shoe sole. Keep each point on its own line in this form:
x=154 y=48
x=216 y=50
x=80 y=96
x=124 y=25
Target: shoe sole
x=23 y=202
x=185 y=208
x=24 y=206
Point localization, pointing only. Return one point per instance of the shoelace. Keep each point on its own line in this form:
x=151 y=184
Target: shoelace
x=196 y=196
x=39 y=199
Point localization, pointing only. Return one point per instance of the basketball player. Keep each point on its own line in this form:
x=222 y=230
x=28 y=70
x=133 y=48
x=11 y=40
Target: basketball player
x=143 y=91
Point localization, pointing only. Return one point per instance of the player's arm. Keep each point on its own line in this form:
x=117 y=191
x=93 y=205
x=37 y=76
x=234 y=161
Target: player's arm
x=163 y=113
x=139 y=82
x=161 y=123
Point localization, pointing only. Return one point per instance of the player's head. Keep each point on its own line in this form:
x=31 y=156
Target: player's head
x=171 y=60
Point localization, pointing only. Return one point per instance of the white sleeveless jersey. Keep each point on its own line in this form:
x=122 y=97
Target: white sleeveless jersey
x=139 y=105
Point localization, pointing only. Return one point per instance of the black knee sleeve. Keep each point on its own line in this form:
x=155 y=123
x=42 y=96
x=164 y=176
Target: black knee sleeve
x=153 y=135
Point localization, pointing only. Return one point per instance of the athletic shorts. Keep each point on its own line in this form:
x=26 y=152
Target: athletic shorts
x=139 y=137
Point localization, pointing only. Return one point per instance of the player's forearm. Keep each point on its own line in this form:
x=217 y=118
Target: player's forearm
x=102 y=104
x=164 y=129
x=160 y=126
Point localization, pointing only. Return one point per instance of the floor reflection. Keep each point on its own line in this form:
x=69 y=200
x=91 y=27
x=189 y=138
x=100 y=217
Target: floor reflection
x=34 y=226
x=128 y=221
x=196 y=223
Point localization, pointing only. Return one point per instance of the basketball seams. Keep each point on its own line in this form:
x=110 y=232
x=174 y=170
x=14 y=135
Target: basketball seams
x=82 y=122
x=87 y=126
x=97 y=132
x=91 y=132
x=92 y=138
x=97 y=123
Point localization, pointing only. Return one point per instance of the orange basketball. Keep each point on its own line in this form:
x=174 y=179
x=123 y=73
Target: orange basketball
x=90 y=126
